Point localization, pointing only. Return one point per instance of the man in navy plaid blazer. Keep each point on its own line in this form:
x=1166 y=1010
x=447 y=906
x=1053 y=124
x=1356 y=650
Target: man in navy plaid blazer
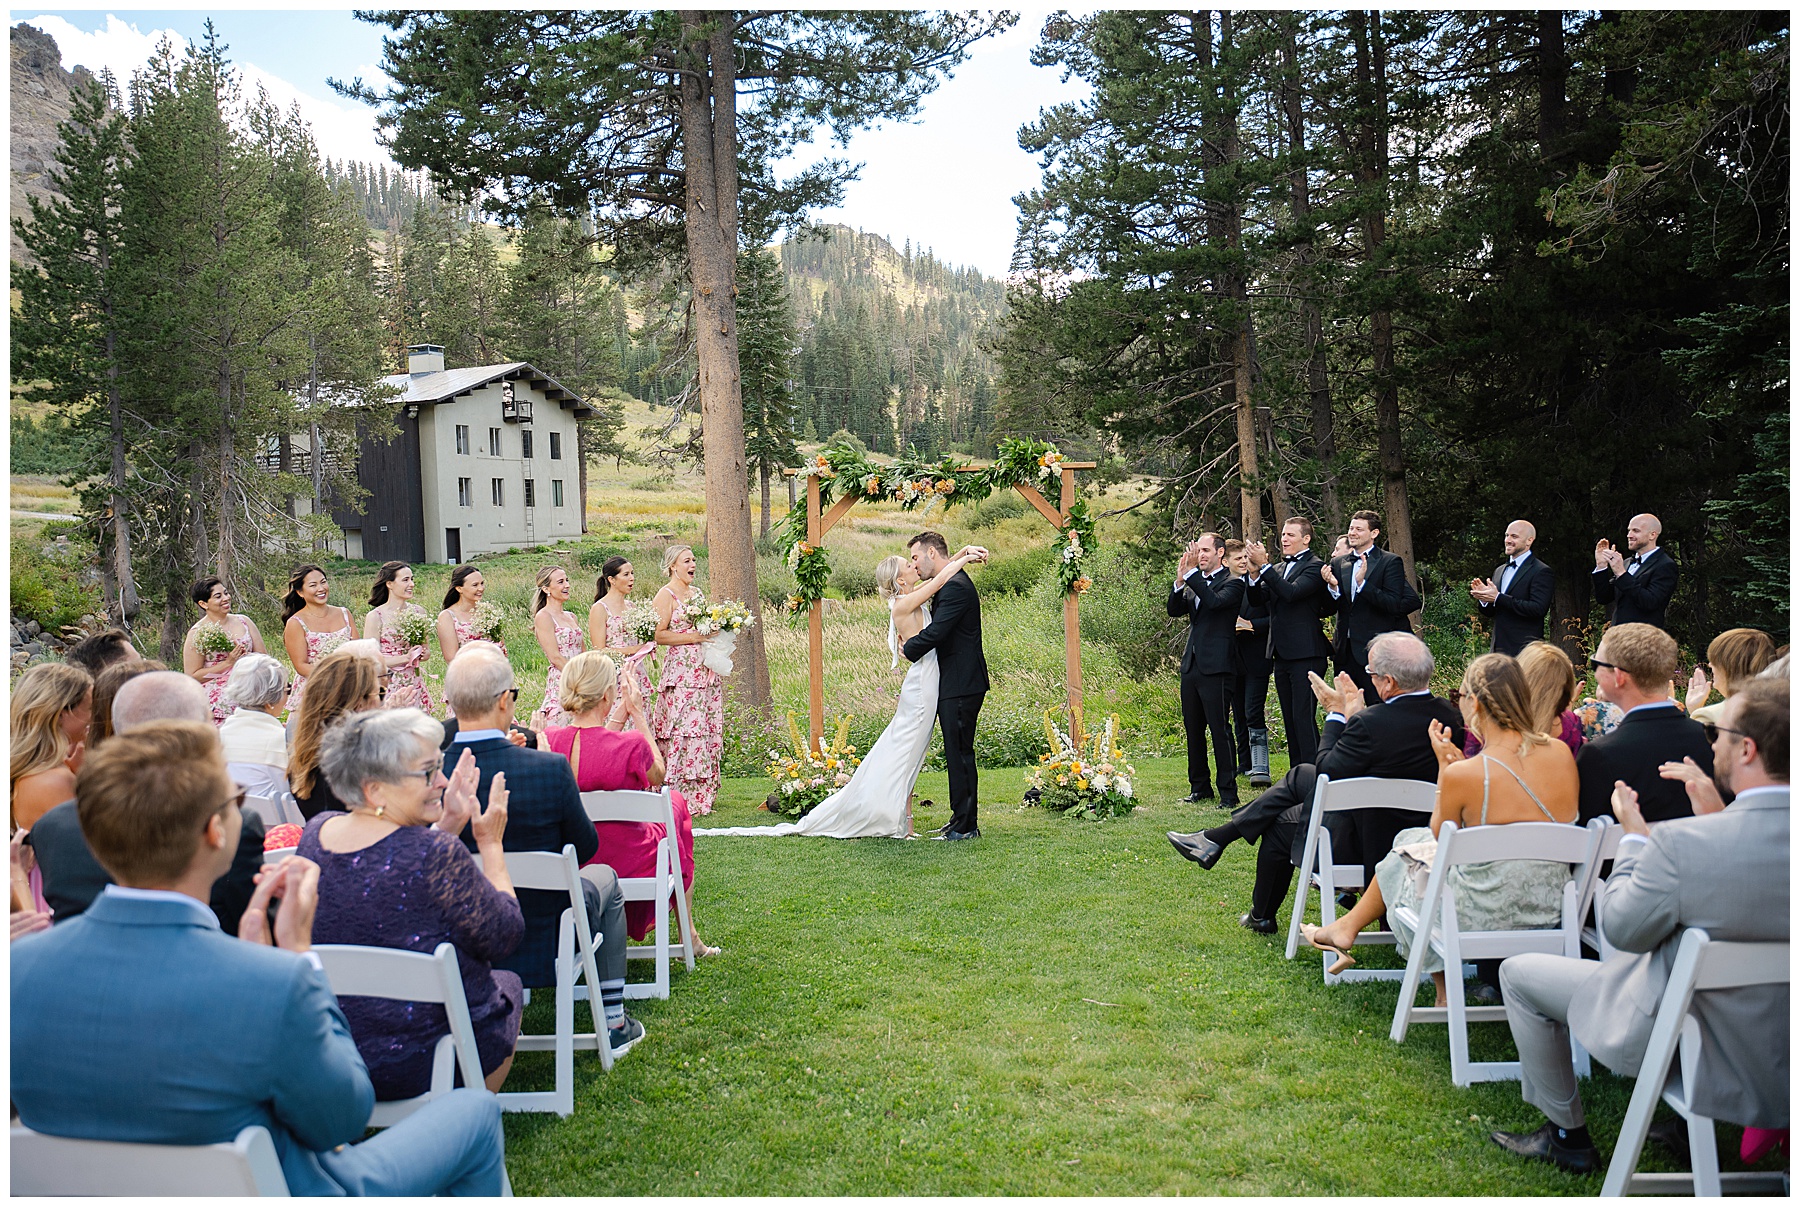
x=544 y=813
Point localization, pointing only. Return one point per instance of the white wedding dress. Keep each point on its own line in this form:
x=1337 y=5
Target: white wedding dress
x=873 y=803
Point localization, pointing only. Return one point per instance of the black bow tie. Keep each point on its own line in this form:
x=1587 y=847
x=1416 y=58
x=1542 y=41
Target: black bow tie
x=1637 y=559
x=1293 y=557
x=1511 y=564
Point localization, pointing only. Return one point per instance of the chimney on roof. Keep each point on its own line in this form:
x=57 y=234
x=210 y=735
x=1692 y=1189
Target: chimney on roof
x=424 y=358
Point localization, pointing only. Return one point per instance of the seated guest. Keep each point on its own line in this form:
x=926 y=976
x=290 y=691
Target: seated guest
x=342 y=682
x=73 y=877
x=106 y=689
x=1727 y=873
x=518 y=735
x=1551 y=683
x=544 y=813
x=50 y=708
x=1390 y=740
x=1737 y=656
x=393 y=874
x=94 y=654
x=1632 y=669
x=1522 y=774
x=610 y=746
x=253 y=737
x=141 y=1021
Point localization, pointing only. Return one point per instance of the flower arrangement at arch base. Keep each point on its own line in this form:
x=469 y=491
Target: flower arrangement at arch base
x=1083 y=775
x=805 y=776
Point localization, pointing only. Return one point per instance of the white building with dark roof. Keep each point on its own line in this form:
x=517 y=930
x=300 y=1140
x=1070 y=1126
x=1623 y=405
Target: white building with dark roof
x=486 y=459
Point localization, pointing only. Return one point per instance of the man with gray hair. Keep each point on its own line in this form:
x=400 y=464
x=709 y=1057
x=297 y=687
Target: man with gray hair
x=1390 y=740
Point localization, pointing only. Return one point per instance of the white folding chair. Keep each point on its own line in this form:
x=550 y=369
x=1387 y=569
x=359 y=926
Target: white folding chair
x=278 y=854
x=411 y=976
x=1318 y=867
x=267 y=808
x=667 y=882
x=575 y=948
x=1595 y=936
x=1435 y=928
x=56 y=1165
x=1700 y=965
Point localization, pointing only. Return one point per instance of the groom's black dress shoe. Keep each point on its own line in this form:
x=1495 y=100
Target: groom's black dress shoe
x=1262 y=926
x=1544 y=1146
x=957 y=835
x=1197 y=846
x=1194 y=798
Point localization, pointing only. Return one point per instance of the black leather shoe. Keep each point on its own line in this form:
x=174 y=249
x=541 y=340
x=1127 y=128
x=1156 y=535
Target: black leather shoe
x=958 y=835
x=1197 y=846
x=1194 y=798
x=1543 y=1145
x=1672 y=1134
x=1229 y=804
x=1346 y=901
x=1262 y=926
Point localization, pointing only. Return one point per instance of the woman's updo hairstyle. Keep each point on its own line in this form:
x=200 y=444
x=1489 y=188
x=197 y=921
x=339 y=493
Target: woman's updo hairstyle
x=1498 y=685
x=671 y=553
x=586 y=679
x=887 y=575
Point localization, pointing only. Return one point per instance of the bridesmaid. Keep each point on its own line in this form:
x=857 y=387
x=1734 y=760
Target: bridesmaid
x=213 y=669
x=559 y=641
x=389 y=598
x=310 y=628
x=606 y=622
x=455 y=624
x=690 y=704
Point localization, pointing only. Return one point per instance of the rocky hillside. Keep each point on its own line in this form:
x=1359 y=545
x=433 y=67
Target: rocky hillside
x=40 y=99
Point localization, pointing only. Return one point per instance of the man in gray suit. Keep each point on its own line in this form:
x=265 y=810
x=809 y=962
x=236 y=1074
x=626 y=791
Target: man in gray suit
x=1725 y=870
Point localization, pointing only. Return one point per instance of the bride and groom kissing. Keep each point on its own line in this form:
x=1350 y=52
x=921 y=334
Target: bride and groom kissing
x=934 y=622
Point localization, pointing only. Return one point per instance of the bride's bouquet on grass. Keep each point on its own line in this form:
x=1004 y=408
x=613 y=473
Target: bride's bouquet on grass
x=1083 y=775
x=720 y=624
x=806 y=776
x=210 y=637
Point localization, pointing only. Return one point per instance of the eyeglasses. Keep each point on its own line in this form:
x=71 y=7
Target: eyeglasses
x=424 y=773
x=1713 y=732
x=1596 y=664
x=237 y=800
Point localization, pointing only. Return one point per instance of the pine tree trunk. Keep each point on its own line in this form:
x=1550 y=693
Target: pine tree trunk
x=125 y=606
x=227 y=552
x=709 y=156
x=762 y=470
x=1237 y=289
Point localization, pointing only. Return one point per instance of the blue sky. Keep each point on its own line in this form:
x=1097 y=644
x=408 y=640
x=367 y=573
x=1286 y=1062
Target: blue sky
x=945 y=182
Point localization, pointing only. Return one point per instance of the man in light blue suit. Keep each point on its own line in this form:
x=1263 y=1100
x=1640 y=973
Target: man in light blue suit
x=139 y=1021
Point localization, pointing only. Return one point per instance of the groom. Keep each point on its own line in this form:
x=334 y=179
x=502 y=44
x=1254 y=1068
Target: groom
x=955 y=633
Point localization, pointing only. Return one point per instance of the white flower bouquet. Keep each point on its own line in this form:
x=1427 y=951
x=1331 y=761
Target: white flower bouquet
x=415 y=628
x=721 y=623
x=640 y=623
x=210 y=637
x=488 y=619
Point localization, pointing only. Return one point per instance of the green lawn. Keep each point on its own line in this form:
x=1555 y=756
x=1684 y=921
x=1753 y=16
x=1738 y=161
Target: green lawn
x=1058 y=1008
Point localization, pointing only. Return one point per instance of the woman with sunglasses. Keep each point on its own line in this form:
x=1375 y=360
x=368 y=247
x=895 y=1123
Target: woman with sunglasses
x=392 y=873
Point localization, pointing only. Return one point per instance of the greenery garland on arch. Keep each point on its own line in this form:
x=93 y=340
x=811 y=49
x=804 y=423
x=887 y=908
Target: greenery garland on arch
x=916 y=485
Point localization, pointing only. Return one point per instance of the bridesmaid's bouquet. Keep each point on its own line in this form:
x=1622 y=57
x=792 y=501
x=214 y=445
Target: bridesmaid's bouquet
x=415 y=628
x=210 y=637
x=487 y=620
x=333 y=641
x=721 y=623
x=640 y=623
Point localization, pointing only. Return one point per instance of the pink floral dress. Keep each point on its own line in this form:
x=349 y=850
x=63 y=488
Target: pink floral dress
x=617 y=638
x=690 y=721
x=569 y=642
x=465 y=633
x=406 y=684
x=215 y=688
x=317 y=646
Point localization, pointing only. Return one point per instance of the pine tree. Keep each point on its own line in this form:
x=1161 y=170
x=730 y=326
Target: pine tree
x=766 y=341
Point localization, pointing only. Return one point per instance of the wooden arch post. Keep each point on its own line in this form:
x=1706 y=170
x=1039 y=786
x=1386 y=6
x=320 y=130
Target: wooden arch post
x=818 y=525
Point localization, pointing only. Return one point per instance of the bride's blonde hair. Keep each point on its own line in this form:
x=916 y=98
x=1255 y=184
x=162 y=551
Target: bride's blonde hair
x=887 y=575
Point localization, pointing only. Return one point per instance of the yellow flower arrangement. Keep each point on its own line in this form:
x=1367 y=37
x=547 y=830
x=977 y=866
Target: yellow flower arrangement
x=1083 y=775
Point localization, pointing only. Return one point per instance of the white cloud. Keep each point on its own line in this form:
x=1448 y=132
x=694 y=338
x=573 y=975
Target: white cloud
x=343 y=130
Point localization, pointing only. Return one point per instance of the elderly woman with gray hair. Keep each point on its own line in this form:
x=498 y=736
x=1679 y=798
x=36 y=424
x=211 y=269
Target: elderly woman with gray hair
x=255 y=741
x=392 y=873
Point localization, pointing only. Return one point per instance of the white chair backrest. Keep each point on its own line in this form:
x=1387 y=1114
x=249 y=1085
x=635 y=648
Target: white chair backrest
x=628 y=805
x=1373 y=792
x=278 y=854
x=55 y=1165
x=553 y=871
x=407 y=976
x=267 y=808
x=1610 y=834
x=1736 y=965
x=1552 y=841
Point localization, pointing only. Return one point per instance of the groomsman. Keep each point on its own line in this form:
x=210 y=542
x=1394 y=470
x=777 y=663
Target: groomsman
x=1207 y=594
x=1294 y=592
x=1373 y=596
x=1638 y=588
x=1250 y=703
x=1517 y=598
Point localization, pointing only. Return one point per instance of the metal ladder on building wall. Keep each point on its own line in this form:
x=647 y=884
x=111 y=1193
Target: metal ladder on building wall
x=530 y=509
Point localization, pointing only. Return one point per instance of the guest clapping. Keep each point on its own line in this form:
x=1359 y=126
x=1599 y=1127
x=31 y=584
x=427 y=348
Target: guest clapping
x=610 y=745
x=393 y=874
x=1633 y=669
x=1737 y=656
x=254 y=740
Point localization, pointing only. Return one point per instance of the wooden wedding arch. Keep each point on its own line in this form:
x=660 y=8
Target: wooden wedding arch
x=817 y=525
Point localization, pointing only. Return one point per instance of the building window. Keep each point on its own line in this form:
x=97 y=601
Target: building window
x=556 y=495
x=525 y=444
x=499 y=491
x=462 y=439
x=556 y=446
x=465 y=493
x=493 y=442
x=531 y=492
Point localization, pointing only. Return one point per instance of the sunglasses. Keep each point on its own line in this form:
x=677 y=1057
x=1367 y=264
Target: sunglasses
x=1596 y=664
x=1713 y=731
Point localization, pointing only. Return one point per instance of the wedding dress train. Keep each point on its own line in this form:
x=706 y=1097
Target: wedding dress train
x=873 y=803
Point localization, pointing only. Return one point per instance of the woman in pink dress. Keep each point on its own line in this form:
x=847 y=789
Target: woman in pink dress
x=310 y=628
x=608 y=742
x=606 y=624
x=212 y=668
x=690 y=703
x=389 y=599
x=559 y=635
x=455 y=624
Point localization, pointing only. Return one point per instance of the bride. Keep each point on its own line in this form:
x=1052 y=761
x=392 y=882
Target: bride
x=877 y=802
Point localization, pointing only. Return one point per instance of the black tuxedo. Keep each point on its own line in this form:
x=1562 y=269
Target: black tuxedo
x=1518 y=612
x=1641 y=598
x=1295 y=594
x=955 y=633
x=1208 y=674
x=1644 y=740
x=1388 y=741
x=1380 y=606
x=1252 y=666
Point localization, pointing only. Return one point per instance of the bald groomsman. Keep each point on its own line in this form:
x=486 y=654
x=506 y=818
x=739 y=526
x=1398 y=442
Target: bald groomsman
x=1639 y=587
x=1516 y=600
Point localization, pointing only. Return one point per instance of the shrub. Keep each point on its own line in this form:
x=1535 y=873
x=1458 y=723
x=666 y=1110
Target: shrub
x=1015 y=575
x=1125 y=610
x=1005 y=505
x=1450 y=629
x=52 y=588
x=853 y=578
